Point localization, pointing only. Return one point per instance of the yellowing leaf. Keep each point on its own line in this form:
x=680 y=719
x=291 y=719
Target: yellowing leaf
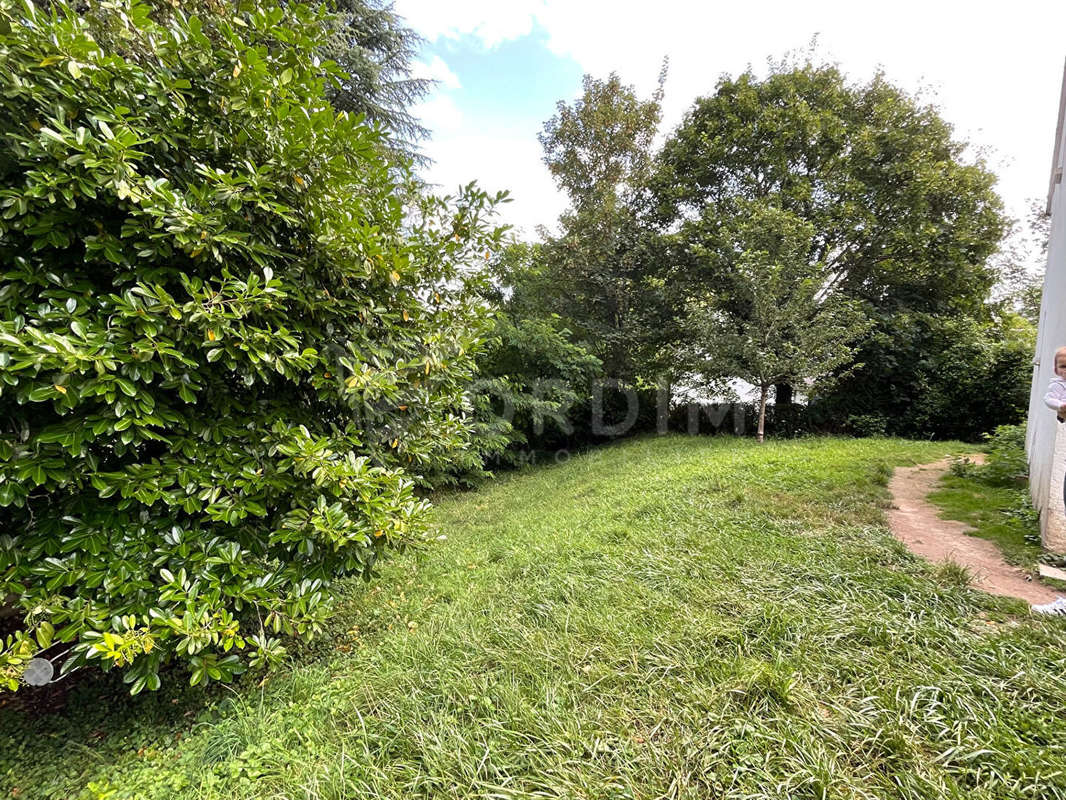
x=211 y=335
x=60 y=389
x=395 y=443
x=395 y=276
x=236 y=70
x=406 y=316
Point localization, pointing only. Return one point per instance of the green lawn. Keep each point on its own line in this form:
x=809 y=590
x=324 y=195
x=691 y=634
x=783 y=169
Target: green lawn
x=667 y=618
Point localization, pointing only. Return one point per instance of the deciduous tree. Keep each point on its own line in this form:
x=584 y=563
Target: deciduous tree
x=902 y=221
x=774 y=316
x=599 y=150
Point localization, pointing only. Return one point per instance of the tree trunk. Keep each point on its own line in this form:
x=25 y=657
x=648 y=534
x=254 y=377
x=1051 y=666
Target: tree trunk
x=662 y=406
x=763 y=390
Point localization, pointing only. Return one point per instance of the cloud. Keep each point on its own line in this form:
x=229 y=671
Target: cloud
x=437 y=69
x=492 y=22
x=499 y=161
x=440 y=114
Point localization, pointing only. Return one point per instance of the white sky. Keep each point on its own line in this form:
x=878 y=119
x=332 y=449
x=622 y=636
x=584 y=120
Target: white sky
x=995 y=70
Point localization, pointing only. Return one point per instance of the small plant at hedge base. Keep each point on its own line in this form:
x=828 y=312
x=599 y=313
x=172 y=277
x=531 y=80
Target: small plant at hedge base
x=15 y=651
x=1007 y=464
x=233 y=337
x=964 y=467
x=1027 y=517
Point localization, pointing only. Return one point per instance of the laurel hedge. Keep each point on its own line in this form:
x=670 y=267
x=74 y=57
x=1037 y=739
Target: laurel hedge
x=234 y=336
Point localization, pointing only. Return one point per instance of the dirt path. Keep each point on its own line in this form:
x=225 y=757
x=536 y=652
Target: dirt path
x=916 y=523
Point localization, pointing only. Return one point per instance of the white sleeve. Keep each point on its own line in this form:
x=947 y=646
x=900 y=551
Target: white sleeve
x=1055 y=398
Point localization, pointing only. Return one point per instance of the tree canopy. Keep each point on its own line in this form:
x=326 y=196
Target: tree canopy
x=901 y=220
x=375 y=51
x=773 y=318
x=899 y=216
x=599 y=150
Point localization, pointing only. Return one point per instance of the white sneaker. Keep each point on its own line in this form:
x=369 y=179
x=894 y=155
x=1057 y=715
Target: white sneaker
x=1056 y=609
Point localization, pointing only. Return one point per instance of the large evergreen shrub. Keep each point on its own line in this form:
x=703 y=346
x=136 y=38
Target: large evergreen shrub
x=232 y=337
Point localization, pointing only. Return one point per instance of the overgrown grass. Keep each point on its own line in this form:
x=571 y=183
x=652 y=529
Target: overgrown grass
x=668 y=618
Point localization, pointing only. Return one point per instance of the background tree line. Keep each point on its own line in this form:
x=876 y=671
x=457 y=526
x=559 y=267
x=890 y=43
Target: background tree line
x=811 y=235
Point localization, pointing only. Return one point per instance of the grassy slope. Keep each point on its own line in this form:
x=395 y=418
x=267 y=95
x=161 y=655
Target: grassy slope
x=682 y=618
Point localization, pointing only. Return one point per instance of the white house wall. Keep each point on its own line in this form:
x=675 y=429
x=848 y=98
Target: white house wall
x=1046 y=439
